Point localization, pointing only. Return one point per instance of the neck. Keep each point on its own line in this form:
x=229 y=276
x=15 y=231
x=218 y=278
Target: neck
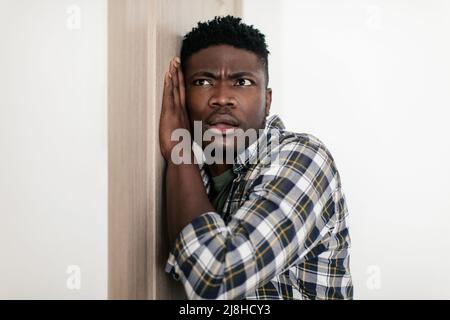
x=217 y=169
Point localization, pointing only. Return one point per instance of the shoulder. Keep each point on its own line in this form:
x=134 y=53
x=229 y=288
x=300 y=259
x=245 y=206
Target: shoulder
x=300 y=158
x=281 y=140
x=301 y=149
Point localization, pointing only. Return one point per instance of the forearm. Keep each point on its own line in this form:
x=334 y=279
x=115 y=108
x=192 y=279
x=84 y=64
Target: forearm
x=186 y=196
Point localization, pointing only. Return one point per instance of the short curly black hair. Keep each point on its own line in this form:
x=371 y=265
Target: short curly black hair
x=226 y=30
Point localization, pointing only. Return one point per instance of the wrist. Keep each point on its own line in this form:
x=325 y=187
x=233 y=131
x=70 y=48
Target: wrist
x=181 y=158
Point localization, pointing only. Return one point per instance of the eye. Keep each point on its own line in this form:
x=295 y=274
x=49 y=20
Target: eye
x=243 y=82
x=202 y=82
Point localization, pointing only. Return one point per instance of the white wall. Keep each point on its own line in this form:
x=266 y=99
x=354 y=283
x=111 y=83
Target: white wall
x=53 y=149
x=371 y=79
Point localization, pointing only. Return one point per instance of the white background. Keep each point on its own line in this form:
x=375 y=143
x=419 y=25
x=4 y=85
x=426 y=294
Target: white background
x=371 y=79
x=53 y=150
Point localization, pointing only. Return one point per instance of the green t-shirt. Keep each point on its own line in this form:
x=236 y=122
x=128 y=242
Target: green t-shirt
x=220 y=189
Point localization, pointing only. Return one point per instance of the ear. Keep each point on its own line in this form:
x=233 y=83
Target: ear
x=268 y=100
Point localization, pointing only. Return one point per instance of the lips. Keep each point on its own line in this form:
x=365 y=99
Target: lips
x=222 y=123
x=224 y=120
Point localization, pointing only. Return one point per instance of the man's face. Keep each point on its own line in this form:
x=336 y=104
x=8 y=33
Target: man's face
x=226 y=90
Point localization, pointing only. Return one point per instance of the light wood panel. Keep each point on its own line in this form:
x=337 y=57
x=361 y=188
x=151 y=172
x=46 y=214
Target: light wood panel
x=142 y=37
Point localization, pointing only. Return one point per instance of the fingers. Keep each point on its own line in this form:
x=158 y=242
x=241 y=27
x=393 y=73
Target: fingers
x=174 y=88
x=177 y=83
x=181 y=87
x=173 y=72
x=167 y=92
x=174 y=67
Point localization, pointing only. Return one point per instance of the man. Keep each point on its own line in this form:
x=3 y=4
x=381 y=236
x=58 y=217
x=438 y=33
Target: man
x=272 y=223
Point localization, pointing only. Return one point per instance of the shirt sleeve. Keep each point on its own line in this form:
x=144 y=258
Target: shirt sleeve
x=288 y=210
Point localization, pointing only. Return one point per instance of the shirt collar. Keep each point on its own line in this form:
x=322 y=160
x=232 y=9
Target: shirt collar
x=259 y=147
x=248 y=156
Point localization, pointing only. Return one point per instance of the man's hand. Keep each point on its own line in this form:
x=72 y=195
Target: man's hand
x=186 y=194
x=173 y=112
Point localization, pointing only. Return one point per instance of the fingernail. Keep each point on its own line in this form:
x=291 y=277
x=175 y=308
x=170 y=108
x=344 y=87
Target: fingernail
x=177 y=60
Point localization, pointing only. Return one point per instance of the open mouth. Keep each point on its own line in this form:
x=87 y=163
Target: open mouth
x=221 y=128
x=222 y=125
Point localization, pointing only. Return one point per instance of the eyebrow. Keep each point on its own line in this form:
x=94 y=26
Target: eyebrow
x=213 y=75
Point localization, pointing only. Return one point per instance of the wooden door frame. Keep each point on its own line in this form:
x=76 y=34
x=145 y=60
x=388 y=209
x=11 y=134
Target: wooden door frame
x=142 y=37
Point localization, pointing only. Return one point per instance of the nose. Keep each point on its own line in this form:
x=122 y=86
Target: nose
x=222 y=97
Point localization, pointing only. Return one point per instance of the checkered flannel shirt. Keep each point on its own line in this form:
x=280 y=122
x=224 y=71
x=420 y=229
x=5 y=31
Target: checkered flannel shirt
x=282 y=233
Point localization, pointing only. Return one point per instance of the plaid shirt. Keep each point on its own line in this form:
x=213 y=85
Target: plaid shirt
x=282 y=233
